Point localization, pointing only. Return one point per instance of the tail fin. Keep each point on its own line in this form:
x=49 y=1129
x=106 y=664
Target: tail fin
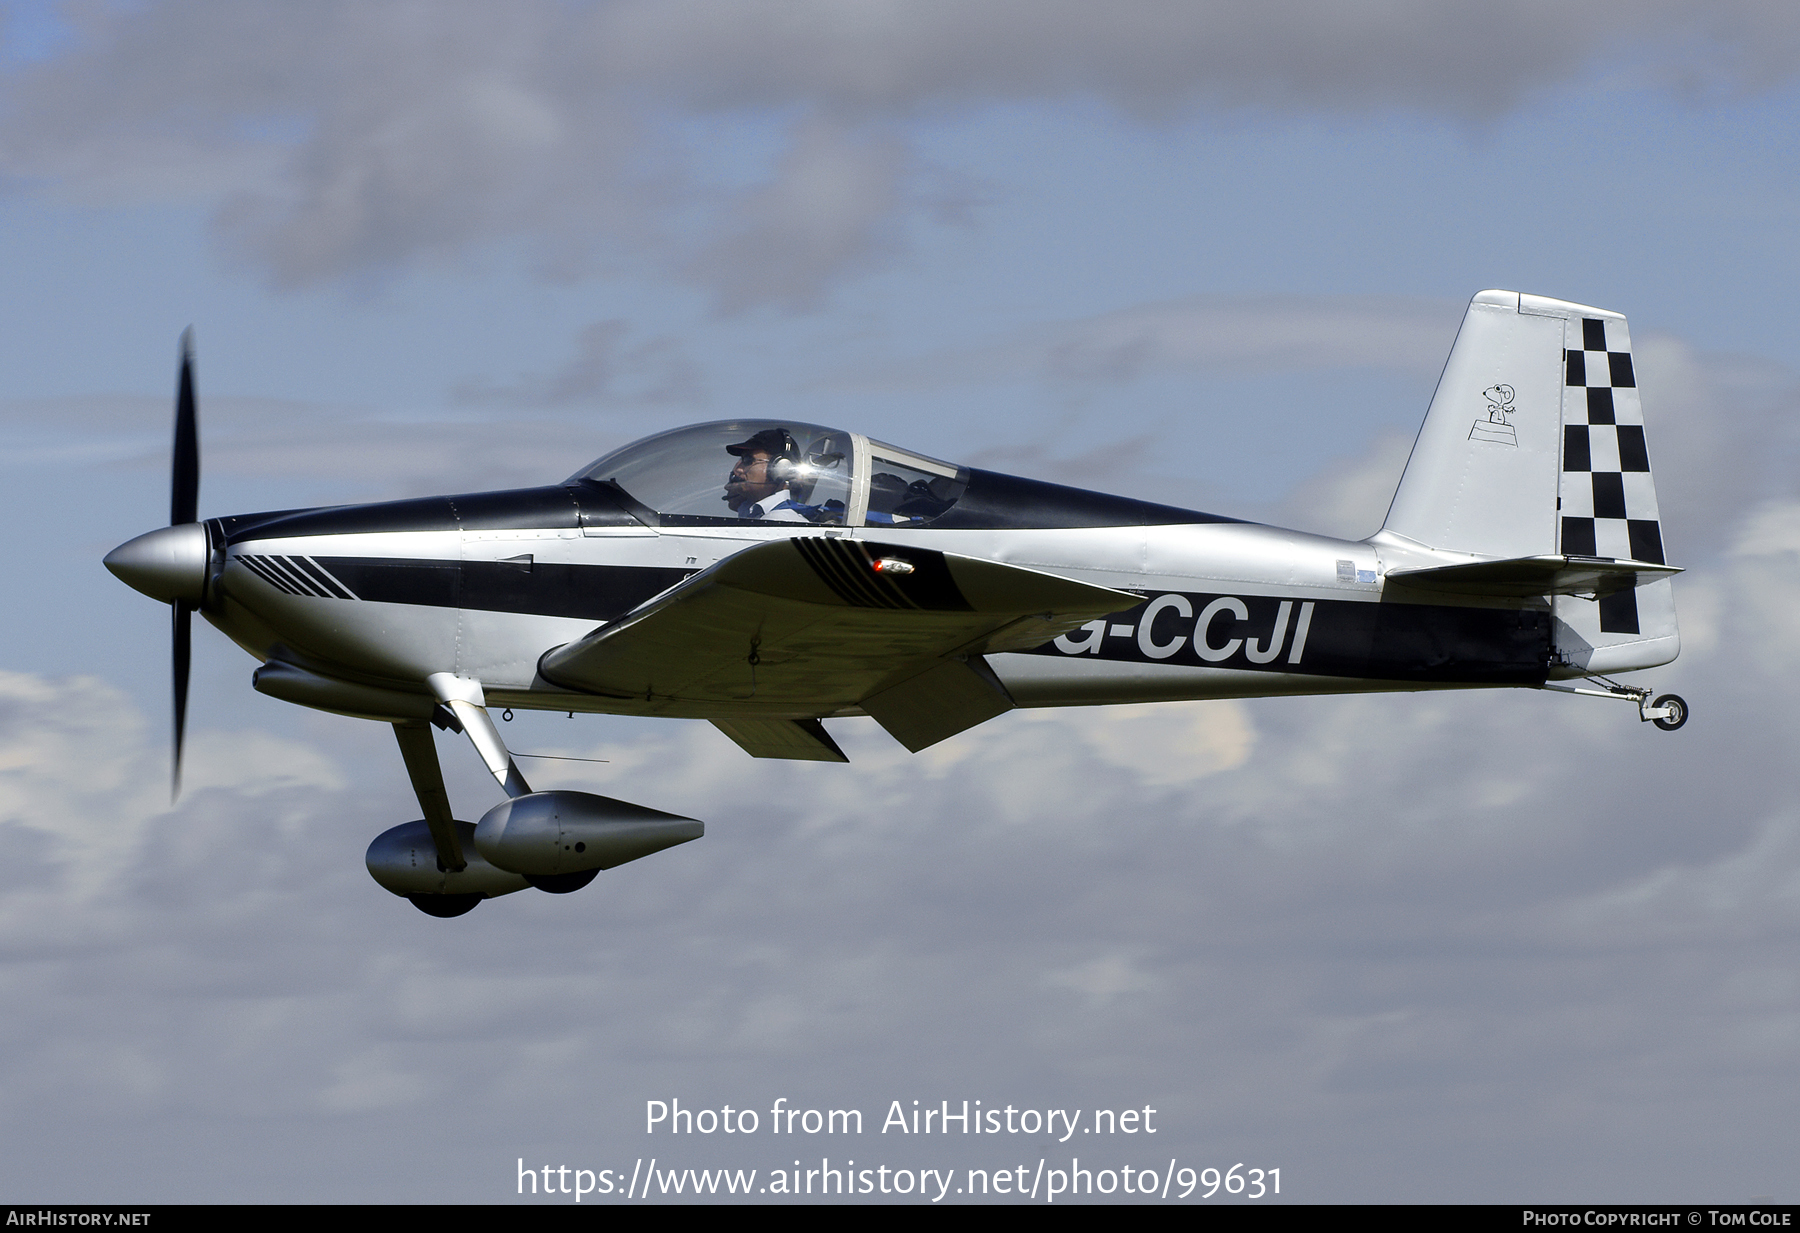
x=1534 y=447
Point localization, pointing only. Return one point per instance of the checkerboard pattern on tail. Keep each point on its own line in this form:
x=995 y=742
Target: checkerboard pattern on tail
x=1608 y=501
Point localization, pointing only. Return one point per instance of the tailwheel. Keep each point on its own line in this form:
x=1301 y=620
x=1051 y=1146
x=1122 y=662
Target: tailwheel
x=1675 y=710
x=445 y=905
x=1668 y=712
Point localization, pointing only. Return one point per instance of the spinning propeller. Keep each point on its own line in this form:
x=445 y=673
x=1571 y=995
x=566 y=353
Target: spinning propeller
x=171 y=564
x=184 y=500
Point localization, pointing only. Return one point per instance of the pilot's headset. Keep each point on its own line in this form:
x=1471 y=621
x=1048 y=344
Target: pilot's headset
x=788 y=471
x=785 y=467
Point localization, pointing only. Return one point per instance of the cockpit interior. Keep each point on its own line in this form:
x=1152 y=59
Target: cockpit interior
x=779 y=471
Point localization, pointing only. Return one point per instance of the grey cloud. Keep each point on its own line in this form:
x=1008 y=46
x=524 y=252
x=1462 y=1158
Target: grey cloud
x=828 y=210
x=340 y=140
x=1155 y=55
x=436 y=130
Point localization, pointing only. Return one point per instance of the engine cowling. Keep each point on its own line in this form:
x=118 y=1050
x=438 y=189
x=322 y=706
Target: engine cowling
x=404 y=860
x=546 y=833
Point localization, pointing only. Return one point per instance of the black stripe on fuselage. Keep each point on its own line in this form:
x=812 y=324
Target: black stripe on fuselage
x=318 y=574
x=259 y=565
x=586 y=592
x=288 y=568
x=1371 y=640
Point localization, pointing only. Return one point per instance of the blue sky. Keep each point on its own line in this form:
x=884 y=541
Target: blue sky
x=1404 y=947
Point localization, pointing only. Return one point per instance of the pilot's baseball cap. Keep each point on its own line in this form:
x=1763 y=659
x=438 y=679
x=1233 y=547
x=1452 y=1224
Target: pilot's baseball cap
x=775 y=442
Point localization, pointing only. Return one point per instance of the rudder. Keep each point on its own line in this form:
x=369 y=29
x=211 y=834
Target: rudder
x=1606 y=502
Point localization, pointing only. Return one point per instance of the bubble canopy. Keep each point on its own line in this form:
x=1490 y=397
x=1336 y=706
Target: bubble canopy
x=780 y=471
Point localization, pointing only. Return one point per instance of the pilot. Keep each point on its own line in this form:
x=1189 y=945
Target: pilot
x=762 y=480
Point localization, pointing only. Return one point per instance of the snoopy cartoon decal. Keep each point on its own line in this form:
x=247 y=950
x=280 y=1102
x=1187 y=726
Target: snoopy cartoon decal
x=1495 y=427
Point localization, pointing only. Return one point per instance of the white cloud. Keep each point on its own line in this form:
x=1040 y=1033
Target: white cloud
x=1350 y=498
x=1771 y=531
x=1169 y=742
x=1105 y=978
x=1760 y=605
x=82 y=790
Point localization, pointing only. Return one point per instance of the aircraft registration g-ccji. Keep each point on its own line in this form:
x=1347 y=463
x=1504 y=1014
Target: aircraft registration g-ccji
x=765 y=575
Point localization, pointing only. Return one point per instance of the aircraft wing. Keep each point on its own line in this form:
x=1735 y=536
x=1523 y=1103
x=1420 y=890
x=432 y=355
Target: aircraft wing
x=815 y=624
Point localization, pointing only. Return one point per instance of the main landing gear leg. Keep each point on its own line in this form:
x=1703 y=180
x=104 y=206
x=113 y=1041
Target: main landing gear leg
x=420 y=753
x=1668 y=712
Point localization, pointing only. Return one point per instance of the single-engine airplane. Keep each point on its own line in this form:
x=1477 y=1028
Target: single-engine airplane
x=766 y=575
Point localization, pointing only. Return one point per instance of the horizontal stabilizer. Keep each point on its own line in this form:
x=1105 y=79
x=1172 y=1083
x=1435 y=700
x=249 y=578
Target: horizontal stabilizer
x=802 y=740
x=1525 y=577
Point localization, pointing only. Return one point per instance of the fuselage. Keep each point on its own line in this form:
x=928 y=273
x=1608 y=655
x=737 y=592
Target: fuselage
x=483 y=586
